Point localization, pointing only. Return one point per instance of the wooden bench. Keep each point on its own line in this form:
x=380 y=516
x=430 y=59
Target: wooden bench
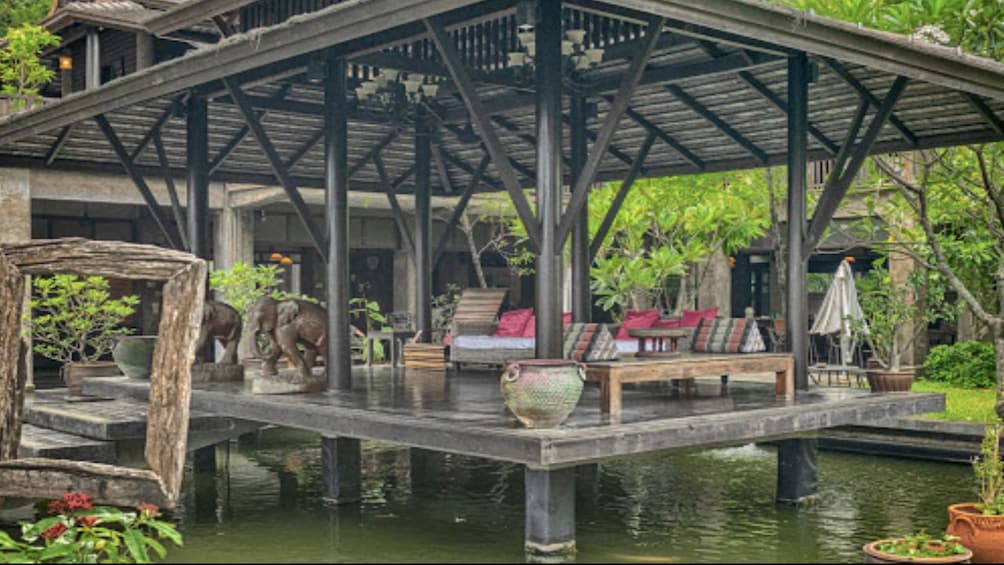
x=611 y=375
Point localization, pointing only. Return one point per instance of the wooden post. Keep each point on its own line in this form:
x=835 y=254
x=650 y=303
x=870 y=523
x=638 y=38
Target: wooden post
x=197 y=151
x=336 y=190
x=423 y=229
x=582 y=299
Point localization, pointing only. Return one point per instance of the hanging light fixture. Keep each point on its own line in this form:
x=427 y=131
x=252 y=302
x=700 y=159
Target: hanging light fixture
x=576 y=57
x=396 y=93
x=275 y=257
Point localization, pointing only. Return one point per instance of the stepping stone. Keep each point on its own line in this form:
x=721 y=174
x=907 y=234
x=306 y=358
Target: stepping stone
x=288 y=381
x=40 y=442
x=109 y=420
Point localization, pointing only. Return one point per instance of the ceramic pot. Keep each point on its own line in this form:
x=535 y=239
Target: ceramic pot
x=882 y=380
x=541 y=393
x=982 y=534
x=873 y=555
x=74 y=374
x=134 y=355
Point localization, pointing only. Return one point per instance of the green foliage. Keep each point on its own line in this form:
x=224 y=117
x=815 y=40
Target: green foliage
x=242 y=285
x=373 y=319
x=13 y=13
x=990 y=470
x=968 y=364
x=21 y=70
x=444 y=306
x=922 y=545
x=888 y=306
x=80 y=533
x=75 y=319
x=961 y=404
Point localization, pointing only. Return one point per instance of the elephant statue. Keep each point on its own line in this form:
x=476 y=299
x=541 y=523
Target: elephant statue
x=223 y=322
x=288 y=323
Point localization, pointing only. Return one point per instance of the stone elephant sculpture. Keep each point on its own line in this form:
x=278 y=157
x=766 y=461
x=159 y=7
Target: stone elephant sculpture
x=223 y=322
x=288 y=323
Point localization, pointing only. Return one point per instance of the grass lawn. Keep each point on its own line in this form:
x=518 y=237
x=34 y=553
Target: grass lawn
x=963 y=404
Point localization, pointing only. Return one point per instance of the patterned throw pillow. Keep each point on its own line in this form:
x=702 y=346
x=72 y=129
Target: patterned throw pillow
x=729 y=335
x=589 y=342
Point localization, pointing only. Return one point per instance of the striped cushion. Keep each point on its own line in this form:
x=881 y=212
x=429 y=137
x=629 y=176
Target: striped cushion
x=729 y=335
x=589 y=342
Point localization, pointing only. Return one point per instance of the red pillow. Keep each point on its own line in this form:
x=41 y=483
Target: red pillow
x=693 y=317
x=671 y=323
x=447 y=339
x=530 y=330
x=637 y=319
x=566 y=318
x=512 y=323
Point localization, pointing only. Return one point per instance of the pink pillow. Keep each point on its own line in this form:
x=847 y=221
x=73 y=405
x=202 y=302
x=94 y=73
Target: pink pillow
x=692 y=317
x=511 y=323
x=637 y=319
x=566 y=318
x=672 y=323
x=530 y=330
x=447 y=338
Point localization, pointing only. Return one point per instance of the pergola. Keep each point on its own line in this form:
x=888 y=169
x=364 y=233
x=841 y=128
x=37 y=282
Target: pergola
x=682 y=88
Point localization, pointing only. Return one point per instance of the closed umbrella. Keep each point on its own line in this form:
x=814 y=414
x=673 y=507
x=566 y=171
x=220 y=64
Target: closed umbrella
x=839 y=308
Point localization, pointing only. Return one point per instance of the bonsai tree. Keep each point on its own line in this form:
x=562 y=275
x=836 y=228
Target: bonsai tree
x=75 y=320
x=888 y=307
x=21 y=70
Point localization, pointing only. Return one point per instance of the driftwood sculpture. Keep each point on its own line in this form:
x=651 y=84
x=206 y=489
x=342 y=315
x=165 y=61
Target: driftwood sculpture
x=170 y=381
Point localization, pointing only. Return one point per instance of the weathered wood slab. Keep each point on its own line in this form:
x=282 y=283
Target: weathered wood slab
x=107 y=484
x=12 y=374
x=52 y=444
x=216 y=373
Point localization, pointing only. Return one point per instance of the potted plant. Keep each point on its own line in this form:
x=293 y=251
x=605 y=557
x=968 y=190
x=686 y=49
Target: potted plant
x=917 y=548
x=75 y=322
x=980 y=525
x=888 y=308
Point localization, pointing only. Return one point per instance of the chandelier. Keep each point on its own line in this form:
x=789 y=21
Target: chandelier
x=396 y=93
x=575 y=57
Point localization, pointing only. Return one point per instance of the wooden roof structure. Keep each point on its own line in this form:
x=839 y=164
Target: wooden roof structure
x=712 y=93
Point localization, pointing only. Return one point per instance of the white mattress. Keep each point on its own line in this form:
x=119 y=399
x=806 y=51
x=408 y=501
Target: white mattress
x=494 y=342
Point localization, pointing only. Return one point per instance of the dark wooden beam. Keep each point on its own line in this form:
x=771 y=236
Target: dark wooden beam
x=305 y=148
x=618 y=107
x=172 y=190
x=395 y=206
x=461 y=207
x=620 y=154
x=838 y=182
x=622 y=193
x=719 y=123
x=157 y=125
x=851 y=80
x=840 y=160
x=470 y=170
x=58 y=145
x=669 y=140
x=444 y=43
x=441 y=168
x=986 y=113
x=387 y=140
x=278 y=168
x=529 y=139
x=242 y=133
x=769 y=95
x=137 y=178
x=403 y=177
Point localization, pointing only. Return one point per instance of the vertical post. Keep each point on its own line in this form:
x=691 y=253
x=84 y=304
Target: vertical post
x=336 y=190
x=549 y=275
x=341 y=469
x=423 y=228
x=92 y=60
x=582 y=300
x=796 y=458
x=144 y=50
x=550 y=511
x=197 y=148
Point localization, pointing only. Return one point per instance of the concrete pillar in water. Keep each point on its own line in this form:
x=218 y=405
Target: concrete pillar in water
x=204 y=459
x=550 y=511
x=341 y=469
x=15 y=227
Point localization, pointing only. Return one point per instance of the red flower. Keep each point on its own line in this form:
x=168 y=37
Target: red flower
x=77 y=501
x=88 y=521
x=149 y=510
x=57 y=507
x=54 y=532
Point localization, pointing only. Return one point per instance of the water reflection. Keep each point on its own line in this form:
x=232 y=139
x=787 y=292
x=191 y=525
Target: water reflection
x=264 y=505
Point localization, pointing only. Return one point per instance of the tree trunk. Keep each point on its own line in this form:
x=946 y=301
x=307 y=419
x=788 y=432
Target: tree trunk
x=468 y=229
x=999 y=351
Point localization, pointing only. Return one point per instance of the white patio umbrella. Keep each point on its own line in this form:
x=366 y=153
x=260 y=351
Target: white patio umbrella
x=839 y=307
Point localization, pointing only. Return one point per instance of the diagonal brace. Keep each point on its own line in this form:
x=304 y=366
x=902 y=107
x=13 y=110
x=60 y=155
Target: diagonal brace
x=172 y=191
x=461 y=208
x=615 y=206
x=395 y=206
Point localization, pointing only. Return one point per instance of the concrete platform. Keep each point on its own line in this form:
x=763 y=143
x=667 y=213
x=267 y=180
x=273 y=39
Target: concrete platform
x=40 y=442
x=464 y=413
x=107 y=420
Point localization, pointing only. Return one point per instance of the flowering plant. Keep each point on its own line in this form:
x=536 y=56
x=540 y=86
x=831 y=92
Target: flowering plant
x=78 y=532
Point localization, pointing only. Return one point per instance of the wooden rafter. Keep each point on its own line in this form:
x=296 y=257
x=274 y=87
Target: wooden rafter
x=622 y=193
x=718 y=122
x=669 y=140
x=986 y=113
x=172 y=190
x=851 y=80
x=395 y=206
x=461 y=207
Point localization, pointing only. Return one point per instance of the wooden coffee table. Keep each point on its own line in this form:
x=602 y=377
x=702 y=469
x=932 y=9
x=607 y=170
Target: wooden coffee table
x=658 y=337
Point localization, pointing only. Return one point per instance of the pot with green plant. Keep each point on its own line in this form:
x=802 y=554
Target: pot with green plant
x=980 y=525
x=75 y=321
x=890 y=307
x=917 y=548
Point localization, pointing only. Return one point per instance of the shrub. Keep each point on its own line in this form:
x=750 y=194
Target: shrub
x=969 y=364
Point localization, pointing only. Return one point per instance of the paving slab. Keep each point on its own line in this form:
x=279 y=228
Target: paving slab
x=41 y=442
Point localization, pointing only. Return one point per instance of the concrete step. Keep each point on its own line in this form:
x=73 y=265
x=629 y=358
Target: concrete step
x=41 y=442
x=901 y=442
x=107 y=420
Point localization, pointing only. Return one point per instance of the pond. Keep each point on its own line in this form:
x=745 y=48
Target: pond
x=264 y=505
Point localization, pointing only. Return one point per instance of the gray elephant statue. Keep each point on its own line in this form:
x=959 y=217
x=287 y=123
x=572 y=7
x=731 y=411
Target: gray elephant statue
x=223 y=322
x=288 y=323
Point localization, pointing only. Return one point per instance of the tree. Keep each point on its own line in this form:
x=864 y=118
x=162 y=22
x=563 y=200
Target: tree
x=13 y=13
x=21 y=70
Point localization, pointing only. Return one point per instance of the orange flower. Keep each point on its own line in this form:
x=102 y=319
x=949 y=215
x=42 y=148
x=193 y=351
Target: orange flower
x=149 y=510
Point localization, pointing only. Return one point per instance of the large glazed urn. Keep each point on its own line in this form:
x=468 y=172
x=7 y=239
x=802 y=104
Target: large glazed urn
x=541 y=393
x=134 y=355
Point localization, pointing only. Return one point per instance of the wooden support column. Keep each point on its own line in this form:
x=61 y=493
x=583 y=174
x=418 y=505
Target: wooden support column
x=423 y=229
x=549 y=272
x=341 y=470
x=796 y=458
x=336 y=190
x=197 y=153
x=550 y=510
x=92 y=59
x=582 y=298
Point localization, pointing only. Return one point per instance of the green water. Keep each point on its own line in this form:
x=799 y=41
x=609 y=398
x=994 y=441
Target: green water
x=264 y=505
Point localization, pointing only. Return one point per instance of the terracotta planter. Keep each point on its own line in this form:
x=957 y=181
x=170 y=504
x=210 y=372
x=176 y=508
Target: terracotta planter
x=882 y=380
x=74 y=373
x=873 y=555
x=542 y=392
x=982 y=534
x=134 y=355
